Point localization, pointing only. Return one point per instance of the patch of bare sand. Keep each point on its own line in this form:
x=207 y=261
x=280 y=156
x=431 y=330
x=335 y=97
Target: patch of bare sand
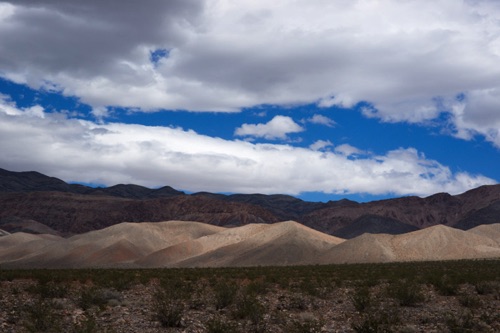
x=488 y=230
x=148 y=236
x=284 y=243
x=443 y=243
x=196 y=247
x=192 y=244
x=433 y=243
x=19 y=245
x=122 y=243
x=366 y=248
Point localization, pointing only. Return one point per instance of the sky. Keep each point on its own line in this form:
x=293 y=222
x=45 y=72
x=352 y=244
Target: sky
x=323 y=100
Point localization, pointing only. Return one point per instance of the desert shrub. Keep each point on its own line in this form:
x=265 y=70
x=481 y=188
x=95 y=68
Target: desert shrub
x=248 y=307
x=49 y=289
x=198 y=300
x=88 y=325
x=41 y=317
x=490 y=318
x=305 y=326
x=486 y=287
x=376 y=322
x=278 y=277
x=297 y=302
x=464 y=323
x=257 y=288
x=177 y=286
x=469 y=301
x=225 y=293
x=370 y=281
x=361 y=298
x=94 y=296
x=168 y=308
x=112 y=278
x=310 y=286
x=217 y=325
x=407 y=293
x=408 y=329
x=444 y=285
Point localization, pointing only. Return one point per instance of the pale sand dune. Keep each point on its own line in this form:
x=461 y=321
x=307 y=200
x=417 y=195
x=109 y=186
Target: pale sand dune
x=86 y=255
x=488 y=230
x=433 y=243
x=121 y=252
x=443 y=243
x=203 y=246
x=284 y=243
x=362 y=249
x=4 y=233
x=18 y=238
x=192 y=244
x=149 y=236
x=19 y=245
x=143 y=238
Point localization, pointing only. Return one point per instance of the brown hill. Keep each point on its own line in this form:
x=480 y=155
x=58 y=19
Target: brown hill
x=71 y=209
x=284 y=243
x=32 y=181
x=118 y=245
x=71 y=213
x=174 y=243
x=443 y=243
x=467 y=210
x=430 y=244
x=22 y=245
x=373 y=224
x=192 y=244
x=15 y=224
x=491 y=231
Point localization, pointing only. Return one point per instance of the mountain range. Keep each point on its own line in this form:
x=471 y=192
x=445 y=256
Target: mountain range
x=48 y=223
x=35 y=203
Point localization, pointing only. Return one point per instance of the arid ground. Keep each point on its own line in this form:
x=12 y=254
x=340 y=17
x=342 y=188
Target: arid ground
x=452 y=296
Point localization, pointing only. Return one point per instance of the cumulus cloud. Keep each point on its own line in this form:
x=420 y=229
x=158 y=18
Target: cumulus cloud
x=277 y=128
x=321 y=120
x=321 y=144
x=224 y=56
x=111 y=153
x=348 y=150
x=478 y=113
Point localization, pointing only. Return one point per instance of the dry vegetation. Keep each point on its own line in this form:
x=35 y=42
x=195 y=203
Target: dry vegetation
x=454 y=296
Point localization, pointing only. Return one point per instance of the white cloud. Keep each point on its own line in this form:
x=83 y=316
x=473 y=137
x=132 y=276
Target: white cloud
x=321 y=120
x=348 y=150
x=226 y=55
x=78 y=150
x=342 y=99
x=7 y=106
x=277 y=128
x=100 y=112
x=478 y=113
x=321 y=144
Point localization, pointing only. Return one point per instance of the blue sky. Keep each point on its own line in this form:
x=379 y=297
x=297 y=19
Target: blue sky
x=308 y=99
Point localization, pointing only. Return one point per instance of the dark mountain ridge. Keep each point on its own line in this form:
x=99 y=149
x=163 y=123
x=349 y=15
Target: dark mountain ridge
x=32 y=181
x=74 y=208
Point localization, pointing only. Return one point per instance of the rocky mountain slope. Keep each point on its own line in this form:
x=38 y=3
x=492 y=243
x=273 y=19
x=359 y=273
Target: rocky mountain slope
x=31 y=199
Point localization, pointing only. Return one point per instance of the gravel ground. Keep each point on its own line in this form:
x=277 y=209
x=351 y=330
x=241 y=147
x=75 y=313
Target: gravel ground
x=27 y=306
